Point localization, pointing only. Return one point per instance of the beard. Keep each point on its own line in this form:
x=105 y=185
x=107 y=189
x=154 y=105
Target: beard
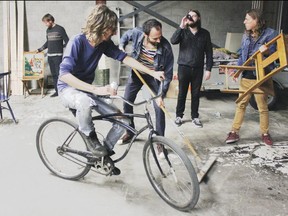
x=195 y=24
x=155 y=44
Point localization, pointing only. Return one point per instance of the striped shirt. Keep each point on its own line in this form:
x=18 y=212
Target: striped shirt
x=55 y=37
x=146 y=57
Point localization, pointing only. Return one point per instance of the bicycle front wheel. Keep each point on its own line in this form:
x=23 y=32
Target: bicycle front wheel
x=52 y=135
x=171 y=173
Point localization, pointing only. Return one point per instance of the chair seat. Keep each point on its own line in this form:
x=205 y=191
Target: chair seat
x=5 y=93
x=3 y=98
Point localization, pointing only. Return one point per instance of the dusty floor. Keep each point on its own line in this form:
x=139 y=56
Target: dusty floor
x=247 y=179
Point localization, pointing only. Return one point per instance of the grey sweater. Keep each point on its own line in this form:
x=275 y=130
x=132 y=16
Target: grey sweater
x=55 y=37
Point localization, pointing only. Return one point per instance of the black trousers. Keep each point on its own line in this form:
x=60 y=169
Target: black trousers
x=54 y=64
x=186 y=76
x=133 y=86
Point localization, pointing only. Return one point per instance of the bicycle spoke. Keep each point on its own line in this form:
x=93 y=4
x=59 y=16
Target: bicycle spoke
x=173 y=177
x=51 y=136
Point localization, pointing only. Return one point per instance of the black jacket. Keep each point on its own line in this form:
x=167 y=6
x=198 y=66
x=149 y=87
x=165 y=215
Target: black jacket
x=193 y=48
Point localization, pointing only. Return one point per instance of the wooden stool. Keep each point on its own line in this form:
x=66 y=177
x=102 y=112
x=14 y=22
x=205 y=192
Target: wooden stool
x=40 y=81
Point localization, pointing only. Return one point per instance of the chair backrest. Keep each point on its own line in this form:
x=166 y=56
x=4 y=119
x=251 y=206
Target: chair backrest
x=4 y=86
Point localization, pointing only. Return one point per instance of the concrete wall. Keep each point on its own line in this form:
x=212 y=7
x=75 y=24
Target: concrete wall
x=71 y=15
x=219 y=17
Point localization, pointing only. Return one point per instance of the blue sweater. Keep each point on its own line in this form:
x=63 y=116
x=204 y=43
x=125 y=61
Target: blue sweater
x=247 y=49
x=81 y=59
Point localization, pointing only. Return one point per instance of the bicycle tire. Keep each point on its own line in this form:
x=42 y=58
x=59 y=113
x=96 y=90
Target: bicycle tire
x=179 y=187
x=50 y=137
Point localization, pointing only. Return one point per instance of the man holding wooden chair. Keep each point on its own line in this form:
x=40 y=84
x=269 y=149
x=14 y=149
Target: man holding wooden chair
x=254 y=39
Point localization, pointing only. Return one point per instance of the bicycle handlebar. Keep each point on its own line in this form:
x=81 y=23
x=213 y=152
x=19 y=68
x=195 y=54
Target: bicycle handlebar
x=142 y=102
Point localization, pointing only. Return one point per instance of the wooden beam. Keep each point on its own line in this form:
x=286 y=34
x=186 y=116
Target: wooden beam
x=153 y=13
x=20 y=46
x=6 y=35
x=137 y=11
x=98 y=2
x=13 y=45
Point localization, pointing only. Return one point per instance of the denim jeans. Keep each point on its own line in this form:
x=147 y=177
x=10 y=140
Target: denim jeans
x=133 y=86
x=194 y=77
x=261 y=100
x=83 y=103
x=54 y=65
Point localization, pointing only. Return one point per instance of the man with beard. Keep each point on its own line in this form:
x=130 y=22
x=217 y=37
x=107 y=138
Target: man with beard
x=195 y=43
x=55 y=35
x=155 y=52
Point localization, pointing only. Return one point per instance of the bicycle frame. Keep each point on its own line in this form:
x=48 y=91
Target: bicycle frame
x=111 y=118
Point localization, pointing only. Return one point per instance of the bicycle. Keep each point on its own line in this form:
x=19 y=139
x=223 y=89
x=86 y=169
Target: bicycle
x=63 y=150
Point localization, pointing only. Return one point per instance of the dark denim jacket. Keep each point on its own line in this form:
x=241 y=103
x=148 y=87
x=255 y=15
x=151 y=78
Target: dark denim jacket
x=267 y=35
x=163 y=60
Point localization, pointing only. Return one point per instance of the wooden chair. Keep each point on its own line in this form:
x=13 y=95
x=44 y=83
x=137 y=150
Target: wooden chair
x=26 y=80
x=5 y=93
x=260 y=64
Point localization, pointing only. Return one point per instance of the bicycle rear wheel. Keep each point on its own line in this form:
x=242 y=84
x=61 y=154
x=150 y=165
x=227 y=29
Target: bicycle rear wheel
x=173 y=176
x=51 y=136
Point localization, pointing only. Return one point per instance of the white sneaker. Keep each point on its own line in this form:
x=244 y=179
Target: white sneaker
x=197 y=123
x=178 y=121
x=161 y=156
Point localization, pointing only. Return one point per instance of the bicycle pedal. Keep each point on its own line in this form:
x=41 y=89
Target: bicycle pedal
x=116 y=171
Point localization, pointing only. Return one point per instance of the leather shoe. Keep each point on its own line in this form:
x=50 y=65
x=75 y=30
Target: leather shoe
x=116 y=171
x=127 y=138
x=54 y=95
x=95 y=146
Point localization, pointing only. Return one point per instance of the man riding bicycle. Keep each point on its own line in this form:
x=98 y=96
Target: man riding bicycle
x=77 y=72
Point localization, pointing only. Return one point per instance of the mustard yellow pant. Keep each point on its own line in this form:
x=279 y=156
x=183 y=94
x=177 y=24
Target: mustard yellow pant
x=261 y=100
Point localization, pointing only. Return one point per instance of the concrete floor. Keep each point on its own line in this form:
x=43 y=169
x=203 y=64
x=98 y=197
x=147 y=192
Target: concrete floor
x=247 y=179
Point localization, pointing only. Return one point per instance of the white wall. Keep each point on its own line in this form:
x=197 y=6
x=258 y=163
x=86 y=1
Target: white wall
x=219 y=17
x=69 y=14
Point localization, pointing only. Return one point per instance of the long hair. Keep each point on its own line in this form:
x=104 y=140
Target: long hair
x=261 y=23
x=199 y=15
x=100 y=20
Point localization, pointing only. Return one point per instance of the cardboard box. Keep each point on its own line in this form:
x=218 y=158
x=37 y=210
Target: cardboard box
x=174 y=89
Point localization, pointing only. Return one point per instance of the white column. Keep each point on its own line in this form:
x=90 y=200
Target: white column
x=6 y=35
x=13 y=31
x=20 y=47
x=13 y=46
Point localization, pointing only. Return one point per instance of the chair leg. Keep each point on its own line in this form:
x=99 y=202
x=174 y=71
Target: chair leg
x=12 y=114
x=1 y=111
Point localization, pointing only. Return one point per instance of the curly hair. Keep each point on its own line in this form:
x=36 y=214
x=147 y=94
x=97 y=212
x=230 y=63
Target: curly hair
x=149 y=24
x=261 y=23
x=100 y=20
